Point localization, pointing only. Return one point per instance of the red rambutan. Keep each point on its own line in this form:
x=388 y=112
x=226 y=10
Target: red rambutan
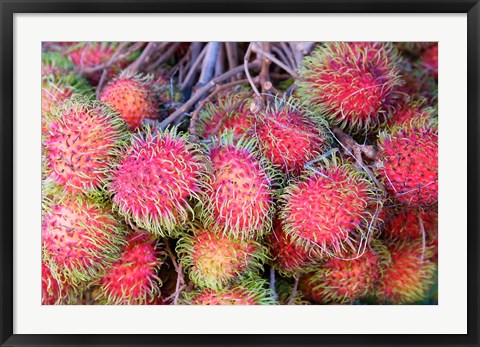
x=160 y=171
x=352 y=84
x=230 y=112
x=87 y=55
x=213 y=260
x=288 y=137
x=80 y=239
x=240 y=203
x=51 y=287
x=408 y=163
x=406 y=225
x=288 y=257
x=81 y=144
x=409 y=275
x=341 y=281
x=248 y=292
x=133 y=279
x=429 y=60
x=328 y=209
x=132 y=97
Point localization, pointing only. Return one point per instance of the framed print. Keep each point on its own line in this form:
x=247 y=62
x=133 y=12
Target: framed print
x=185 y=173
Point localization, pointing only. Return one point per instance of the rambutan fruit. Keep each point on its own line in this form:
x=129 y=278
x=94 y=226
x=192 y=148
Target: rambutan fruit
x=80 y=238
x=411 y=109
x=132 y=97
x=352 y=84
x=240 y=203
x=59 y=82
x=87 y=55
x=82 y=142
x=330 y=208
x=288 y=137
x=213 y=260
x=410 y=274
x=288 y=257
x=133 y=279
x=406 y=225
x=429 y=60
x=228 y=113
x=408 y=162
x=248 y=292
x=344 y=281
x=159 y=174
x=414 y=48
x=51 y=287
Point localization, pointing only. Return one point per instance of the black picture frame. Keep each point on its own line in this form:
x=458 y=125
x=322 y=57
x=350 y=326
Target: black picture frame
x=8 y=8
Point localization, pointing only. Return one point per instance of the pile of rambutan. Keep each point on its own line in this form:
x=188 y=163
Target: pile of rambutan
x=314 y=182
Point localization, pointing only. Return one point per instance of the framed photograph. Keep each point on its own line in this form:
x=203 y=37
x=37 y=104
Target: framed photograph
x=242 y=173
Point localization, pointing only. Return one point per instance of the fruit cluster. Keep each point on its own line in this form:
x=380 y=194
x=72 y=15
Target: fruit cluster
x=319 y=186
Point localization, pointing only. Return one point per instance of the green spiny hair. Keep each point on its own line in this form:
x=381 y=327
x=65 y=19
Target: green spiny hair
x=147 y=214
x=59 y=147
x=99 y=233
x=233 y=225
x=251 y=291
x=323 y=83
x=347 y=242
x=244 y=257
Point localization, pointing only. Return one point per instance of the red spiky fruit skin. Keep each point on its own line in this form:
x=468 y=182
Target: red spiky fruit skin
x=133 y=279
x=155 y=179
x=74 y=222
x=429 y=60
x=352 y=84
x=409 y=276
x=289 y=139
x=213 y=259
x=52 y=95
x=340 y=281
x=132 y=98
x=235 y=296
x=81 y=144
x=240 y=201
x=406 y=225
x=324 y=211
x=51 y=288
x=409 y=164
x=288 y=257
x=409 y=110
x=228 y=113
x=92 y=54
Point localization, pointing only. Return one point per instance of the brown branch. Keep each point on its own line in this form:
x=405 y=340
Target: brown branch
x=232 y=55
x=193 y=69
x=165 y=56
x=209 y=62
x=247 y=72
x=265 y=83
x=424 y=241
x=257 y=49
x=198 y=94
x=272 y=284
x=294 y=290
x=180 y=279
x=135 y=65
